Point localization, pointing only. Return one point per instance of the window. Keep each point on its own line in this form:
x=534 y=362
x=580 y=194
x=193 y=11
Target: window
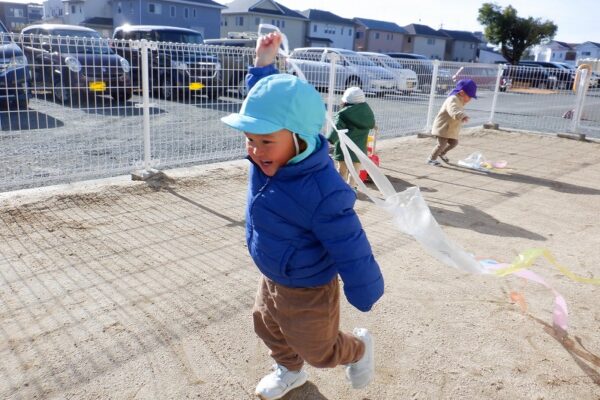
x=119 y=8
x=350 y=32
x=342 y=31
x=173 y=11
x=194 y=13
x=431 y=41
x=239 y=21
x=154 y=8
x=409 y=39
x=358 y=35
x=277 y=23
x=17 y=12
x=256 y=21
x=283 y=23
x=73 y=10
x=376 y=35
x=186 y=13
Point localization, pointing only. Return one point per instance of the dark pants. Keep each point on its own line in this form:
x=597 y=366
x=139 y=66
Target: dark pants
x=302 y=324
x=444 y=145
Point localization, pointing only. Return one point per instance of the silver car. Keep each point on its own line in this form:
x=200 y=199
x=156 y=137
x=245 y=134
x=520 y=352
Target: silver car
x=351 y=69
x=406 y=79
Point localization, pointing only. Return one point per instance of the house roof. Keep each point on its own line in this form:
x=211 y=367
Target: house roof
x=98 y=21
x=252 y=6
x=592 y=43
x=424 y=30
x=208 y=3
x=464 y=36
x=326 y=16
x=563 y=44
x=380 y=25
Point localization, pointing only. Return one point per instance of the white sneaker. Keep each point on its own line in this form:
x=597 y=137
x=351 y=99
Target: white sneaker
x=279 y=382
x=435 y=163
x=362 y=372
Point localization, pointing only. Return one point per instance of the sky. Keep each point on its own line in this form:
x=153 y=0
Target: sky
x=578 y=21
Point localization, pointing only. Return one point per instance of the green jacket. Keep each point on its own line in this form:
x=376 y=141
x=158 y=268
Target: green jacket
x=359 y=120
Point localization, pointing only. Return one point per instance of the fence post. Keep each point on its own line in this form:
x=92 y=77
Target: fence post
x=145 y=104
x=581 y=86
x=430 y=110
x=496 y=90
x=331 y=91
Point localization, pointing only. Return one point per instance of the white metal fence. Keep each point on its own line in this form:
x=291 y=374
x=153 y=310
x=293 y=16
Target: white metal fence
x=80 y=108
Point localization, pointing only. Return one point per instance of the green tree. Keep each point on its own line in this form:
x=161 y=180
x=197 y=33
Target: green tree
x=514 y=34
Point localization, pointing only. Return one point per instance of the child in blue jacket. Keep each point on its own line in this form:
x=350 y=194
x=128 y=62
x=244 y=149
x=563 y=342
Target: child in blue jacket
x=301 y=231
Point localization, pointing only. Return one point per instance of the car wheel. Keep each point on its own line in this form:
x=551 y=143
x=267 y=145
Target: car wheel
x=165 y=88
x=62 y=94
x=122 y=95
x=242 y=89
x=354 y=81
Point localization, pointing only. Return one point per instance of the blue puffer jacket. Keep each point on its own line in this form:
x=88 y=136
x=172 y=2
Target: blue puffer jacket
x=301 y=229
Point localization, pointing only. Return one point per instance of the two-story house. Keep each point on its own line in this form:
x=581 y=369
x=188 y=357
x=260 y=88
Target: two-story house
x=555 y=51
x=16 y=16
x=461 y=46
x=201 y=15
x=422 y=39
x=246 y=15
x=378 y=36
x=588 y=50
x=326 y=29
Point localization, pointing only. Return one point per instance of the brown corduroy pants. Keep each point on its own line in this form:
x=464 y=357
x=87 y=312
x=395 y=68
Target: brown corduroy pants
x=444 y=145
x=302 y=324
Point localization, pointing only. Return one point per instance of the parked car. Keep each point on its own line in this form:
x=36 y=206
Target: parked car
x=14 y=73
x=564 y=78
x=352 y=69
x=484 y=76
x=423 y=67
x=406 y=78
x=528 y=77
x=234 y=62
x=73 y=61
x=594 y=79
x=174 y=69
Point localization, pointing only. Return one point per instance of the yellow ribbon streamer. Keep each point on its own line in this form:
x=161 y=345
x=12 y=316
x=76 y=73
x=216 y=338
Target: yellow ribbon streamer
x=529 y=256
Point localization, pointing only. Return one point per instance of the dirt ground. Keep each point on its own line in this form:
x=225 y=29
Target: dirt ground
x=142 y=290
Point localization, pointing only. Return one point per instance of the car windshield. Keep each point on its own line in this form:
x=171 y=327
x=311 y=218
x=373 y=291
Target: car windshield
x=180 y=37
x=391 y=63
x=80 y=42
x=357 y=59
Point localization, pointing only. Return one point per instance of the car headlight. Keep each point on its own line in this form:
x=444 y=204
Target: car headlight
x=125 y=65
x=179 y=65
x=73 y=64
x=14 y=62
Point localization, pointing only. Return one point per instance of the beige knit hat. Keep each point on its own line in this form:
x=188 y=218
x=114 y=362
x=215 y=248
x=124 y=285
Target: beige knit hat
x=353 y=95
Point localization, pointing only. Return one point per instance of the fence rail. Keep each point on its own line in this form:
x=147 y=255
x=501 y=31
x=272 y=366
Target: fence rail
x=81 y=108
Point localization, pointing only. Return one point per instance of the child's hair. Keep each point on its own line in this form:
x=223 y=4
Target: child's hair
x=353 y=95
x=282 y=101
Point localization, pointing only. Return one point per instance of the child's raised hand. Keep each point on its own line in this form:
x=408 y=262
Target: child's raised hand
x=267 y=47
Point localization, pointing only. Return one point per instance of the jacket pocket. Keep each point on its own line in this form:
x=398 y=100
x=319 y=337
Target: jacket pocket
x=285 y=259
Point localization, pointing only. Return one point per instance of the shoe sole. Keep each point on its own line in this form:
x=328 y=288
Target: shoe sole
x=296 y=385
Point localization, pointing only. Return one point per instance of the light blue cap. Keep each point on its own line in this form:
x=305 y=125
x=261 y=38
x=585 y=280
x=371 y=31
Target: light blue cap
x=280 y=101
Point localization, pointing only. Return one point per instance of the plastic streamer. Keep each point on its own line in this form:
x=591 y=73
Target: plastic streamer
x=478 y=162
x=411 y=215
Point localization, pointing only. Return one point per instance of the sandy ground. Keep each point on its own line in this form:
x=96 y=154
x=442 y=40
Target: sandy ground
x=133 y=290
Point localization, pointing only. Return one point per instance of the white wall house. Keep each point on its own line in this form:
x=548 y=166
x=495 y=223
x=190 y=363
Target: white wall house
x=245 y=16
x=588 y=50
x=326 y=29
x=555 y=51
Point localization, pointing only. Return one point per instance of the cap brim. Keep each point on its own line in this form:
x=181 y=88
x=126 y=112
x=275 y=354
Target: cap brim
x=249 y=124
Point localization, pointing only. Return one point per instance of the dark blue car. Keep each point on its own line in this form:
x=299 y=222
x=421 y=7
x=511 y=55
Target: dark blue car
x=14 y=73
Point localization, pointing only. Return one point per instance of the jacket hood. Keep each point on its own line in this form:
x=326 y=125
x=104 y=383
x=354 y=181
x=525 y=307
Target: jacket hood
x=360 y=115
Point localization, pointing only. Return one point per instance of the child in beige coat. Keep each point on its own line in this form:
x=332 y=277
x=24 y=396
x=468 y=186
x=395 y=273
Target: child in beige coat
x=449 y=120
